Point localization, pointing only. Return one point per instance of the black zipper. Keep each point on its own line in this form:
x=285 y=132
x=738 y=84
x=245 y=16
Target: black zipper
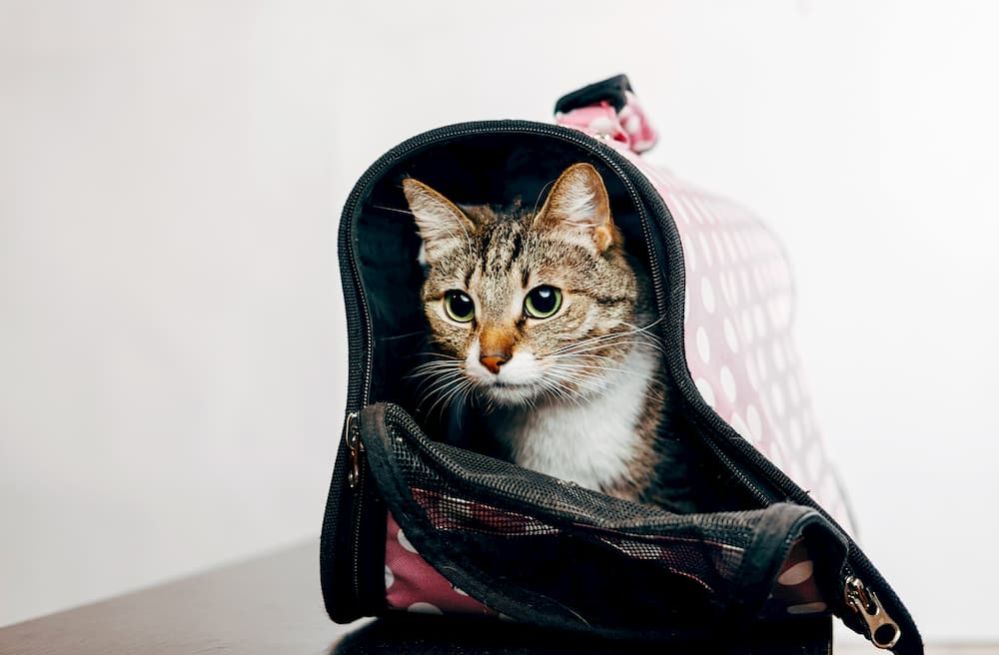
x=355 y=477
x=779 y=487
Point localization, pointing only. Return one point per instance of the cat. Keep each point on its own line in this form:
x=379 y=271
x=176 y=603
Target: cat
x=546 y=321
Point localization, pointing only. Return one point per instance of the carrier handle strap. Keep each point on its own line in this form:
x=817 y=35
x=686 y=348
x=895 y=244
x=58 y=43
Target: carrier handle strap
x=608 y=110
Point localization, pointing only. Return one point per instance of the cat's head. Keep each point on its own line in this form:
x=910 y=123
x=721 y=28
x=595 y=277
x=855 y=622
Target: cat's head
x=525 y=306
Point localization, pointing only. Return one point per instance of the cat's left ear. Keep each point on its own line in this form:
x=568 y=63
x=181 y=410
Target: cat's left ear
x=441 y=224
x=578 y=207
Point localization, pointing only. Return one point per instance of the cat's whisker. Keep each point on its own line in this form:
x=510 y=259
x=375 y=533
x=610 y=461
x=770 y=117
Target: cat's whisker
x=466 y=395
x=596 y=339
x=448 y=398
x=431 y=367
x=541 y=194
x=445 y=393
x=585 y=373
x=569 y=395
x=585 y=349
x=559 y=384
x=603 y=340
x=607 y=341
x=588 y=360
x=631 y=331
x=647 y=325
x=393 y=209
x=434 y=398
x=596 y=368
x=426 y=383
x=434 y=376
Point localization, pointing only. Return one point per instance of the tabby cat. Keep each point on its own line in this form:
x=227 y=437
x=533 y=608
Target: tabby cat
x=545 y=323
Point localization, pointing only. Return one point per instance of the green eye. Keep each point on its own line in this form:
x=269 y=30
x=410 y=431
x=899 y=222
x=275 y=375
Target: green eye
x=543 y=302
x=459 y=306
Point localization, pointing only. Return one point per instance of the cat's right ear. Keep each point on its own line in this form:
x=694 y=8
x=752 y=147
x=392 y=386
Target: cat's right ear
x=578 y=207
x=441 y=224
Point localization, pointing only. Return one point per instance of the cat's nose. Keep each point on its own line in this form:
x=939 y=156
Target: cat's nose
x=493 y=362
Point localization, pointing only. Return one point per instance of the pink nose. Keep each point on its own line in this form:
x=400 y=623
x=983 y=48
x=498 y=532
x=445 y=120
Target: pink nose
x=493 y=362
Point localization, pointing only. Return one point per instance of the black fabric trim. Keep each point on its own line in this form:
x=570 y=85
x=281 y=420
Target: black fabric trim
x=467 y=635
x=612 y=90
x=335 y=554
x=783 y=524
x=370 y=553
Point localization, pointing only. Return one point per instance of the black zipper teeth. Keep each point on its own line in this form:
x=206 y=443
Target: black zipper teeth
x=358 y=506
x=612 y=159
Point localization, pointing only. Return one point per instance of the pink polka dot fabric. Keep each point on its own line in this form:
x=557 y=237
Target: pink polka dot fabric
x=796 y=592
x=411 y=584
x=738 y=310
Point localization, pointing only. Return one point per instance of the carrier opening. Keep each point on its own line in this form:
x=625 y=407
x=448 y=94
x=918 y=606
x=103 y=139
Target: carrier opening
x=480 y=169
x=495 y=169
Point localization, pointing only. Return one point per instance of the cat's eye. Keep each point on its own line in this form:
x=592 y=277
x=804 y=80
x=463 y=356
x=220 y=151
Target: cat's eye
x=459 y=306
x=543 y=301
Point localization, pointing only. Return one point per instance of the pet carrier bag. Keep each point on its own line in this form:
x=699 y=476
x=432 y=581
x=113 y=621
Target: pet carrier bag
x=416 y=523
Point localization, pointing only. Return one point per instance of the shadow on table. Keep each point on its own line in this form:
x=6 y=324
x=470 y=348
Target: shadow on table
x=431 y=635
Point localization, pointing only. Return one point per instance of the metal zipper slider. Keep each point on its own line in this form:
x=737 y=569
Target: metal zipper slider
x=881 y=629
x=354 y=447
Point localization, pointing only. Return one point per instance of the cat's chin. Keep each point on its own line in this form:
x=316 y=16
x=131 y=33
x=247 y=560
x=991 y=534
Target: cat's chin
x=510 y=395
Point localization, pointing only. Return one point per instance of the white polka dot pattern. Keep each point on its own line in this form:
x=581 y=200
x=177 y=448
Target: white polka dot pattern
x=413 y=585
x=797 y=591
x=738 y=334
x=738 y=307
x=424 y=608
x=796 y=574
x=404 y=542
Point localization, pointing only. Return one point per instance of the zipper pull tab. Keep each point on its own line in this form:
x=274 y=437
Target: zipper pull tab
x=354 y=448
x=881 y=629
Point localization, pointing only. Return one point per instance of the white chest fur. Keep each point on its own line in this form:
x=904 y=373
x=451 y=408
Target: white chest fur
x=592 y=443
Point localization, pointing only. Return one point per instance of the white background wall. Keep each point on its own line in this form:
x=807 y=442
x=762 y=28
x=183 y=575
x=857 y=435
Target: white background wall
x=171 y=337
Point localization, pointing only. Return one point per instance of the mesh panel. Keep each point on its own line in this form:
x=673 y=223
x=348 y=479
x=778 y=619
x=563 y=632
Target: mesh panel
x=460 y=473
x=697 y=560
x=451 y=513
x=547 y=551
x=574 y=548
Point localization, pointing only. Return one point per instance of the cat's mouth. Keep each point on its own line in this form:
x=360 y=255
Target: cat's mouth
x=509 y=393
x=512 y=385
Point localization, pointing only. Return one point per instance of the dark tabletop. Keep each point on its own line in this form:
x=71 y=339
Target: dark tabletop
x=272 y=605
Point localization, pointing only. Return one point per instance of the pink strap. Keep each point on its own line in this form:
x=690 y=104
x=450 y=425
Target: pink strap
x=629 y=126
